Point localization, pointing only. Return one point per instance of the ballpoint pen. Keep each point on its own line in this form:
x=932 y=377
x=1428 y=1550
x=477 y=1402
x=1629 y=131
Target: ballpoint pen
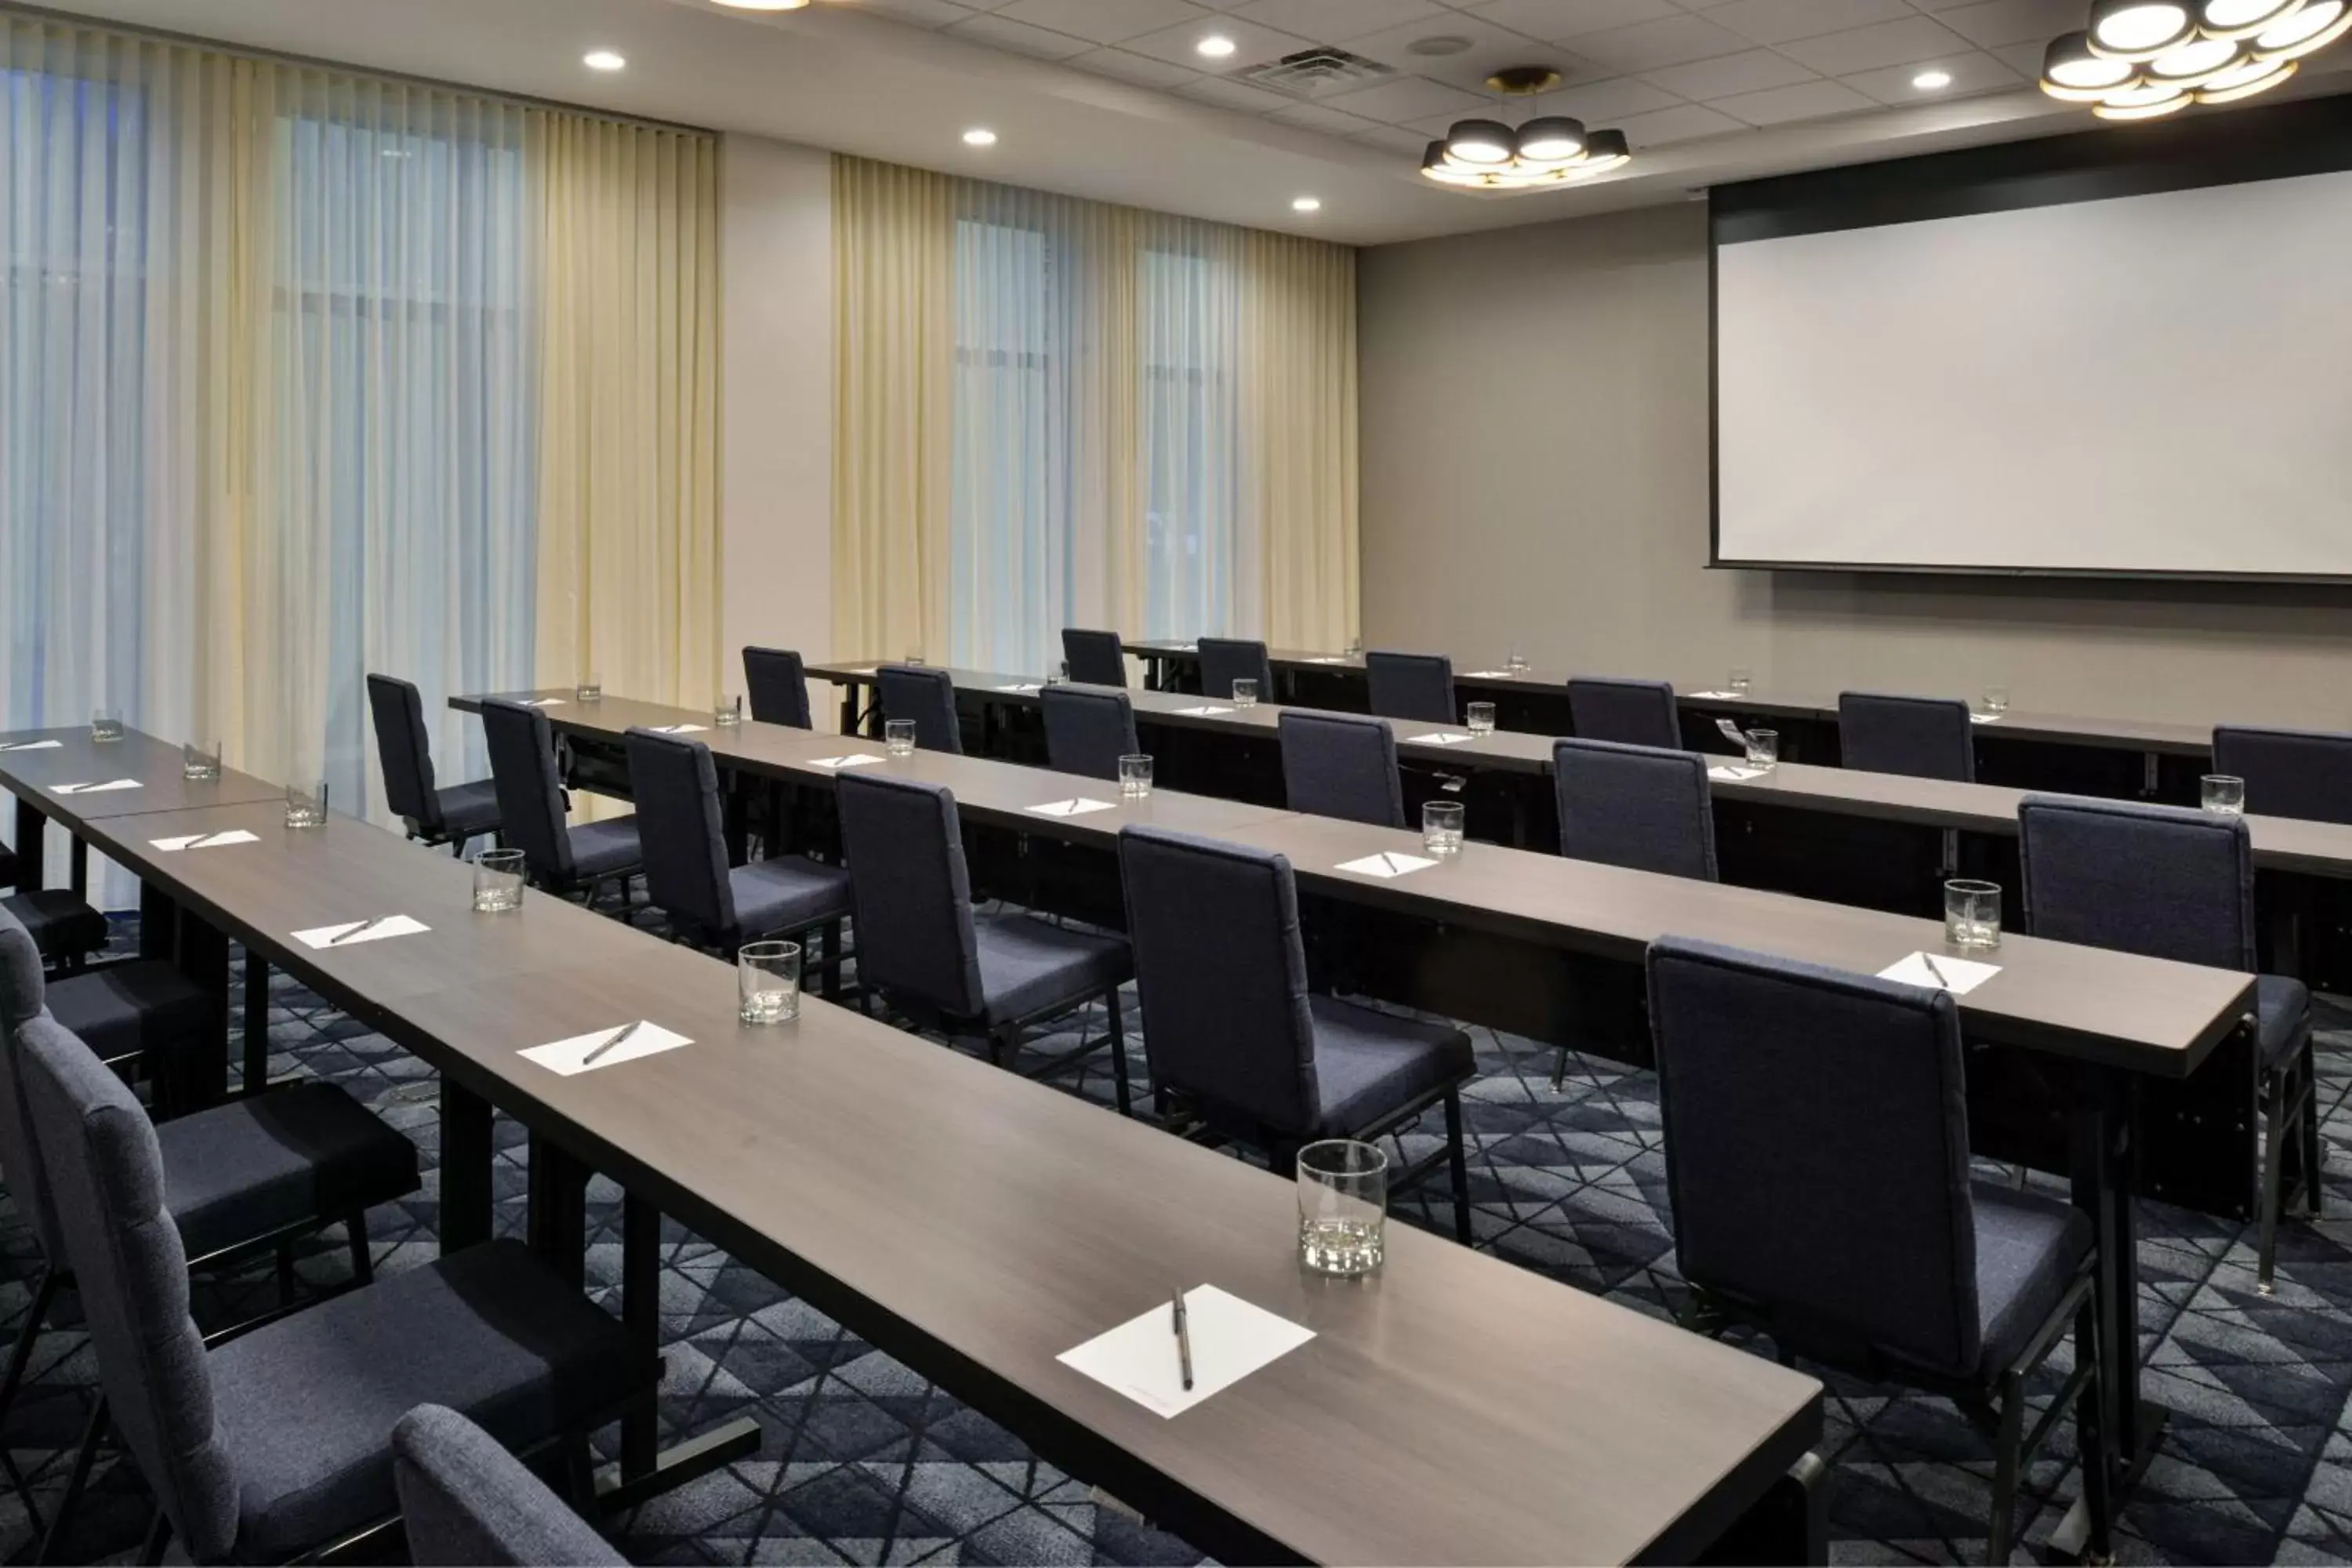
x=1183 y=1342
x=616 y=1036
x=1938 y=974
x=367 y=924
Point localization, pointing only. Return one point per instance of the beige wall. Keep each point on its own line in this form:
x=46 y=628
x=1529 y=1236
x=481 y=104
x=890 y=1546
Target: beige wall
x=776 y=321
x=1535 y=463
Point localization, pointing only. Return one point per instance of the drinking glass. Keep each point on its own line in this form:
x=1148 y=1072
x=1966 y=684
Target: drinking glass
x=106 y=724
x=1343 y=1207
x=767 y=981
x=1480 y=717
x=729 y=712
x=1742 y=682
x=2222 y=794
x=1061 y=675
x=1355 y=649
x=200 y=764
x=1764 y=749
x=590 y=689
x=1440 y=826
x=306 y=805
x=899 y=737
x=1517 y=664
x=1972 y=913
x=498 y=881
x=1244 y=694
x=914 y=656
x=1135 y=776
x=1996 y=701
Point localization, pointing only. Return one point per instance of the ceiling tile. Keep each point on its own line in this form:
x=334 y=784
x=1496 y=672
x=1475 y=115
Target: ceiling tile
x=1391 y=139
x=1668 y=41
x=1409 y=98
x=1253 y=45
x=1141 y=69
x=1685 y=122
x=1557 y=21
x=1020 y=37
x=1238 y=95
x=1317 y=117
x=1999 y=22
x=916 y=13
x=1805 y=101
x=1491 y=50
x=1606 y=103
x=1328 y=21
x=1104 y=21
x=1776 y=21
x=1752 y=71
x=2023 y=58
x=1867 y=49
x=1970 y=73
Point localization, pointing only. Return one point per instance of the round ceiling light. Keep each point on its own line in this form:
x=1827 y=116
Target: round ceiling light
x=1603 y=150
x=2196 y=62
x=1481 y=143
x=2142 y=100
x=1932 y=80
x=1548 y=149
x=602 y=60
x=1305 y=205
x=2241 y=18
x=980 y=136
x=1216 y=46
x=2071 y=72
x=2139 y=29
x=1554 y=139
x=2242 y=81
x=2319 y=23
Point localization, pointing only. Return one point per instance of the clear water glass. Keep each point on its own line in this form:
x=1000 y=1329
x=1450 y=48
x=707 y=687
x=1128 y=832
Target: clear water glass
x=1741 y=683
x=1343 y=1207
x=1135 y=776
x=768 y=982
x=1355 y=649
x=728 y=712
x=1061 y=675
x=1763 y=748
x=1517 y=664
x=2222 y=794
x=591 y=688
x=1996 y=701
x=1972 y=913
x=106 y=724
x=200 y=764
x=306 y=805
x=498 y=881
x=914 y=656
x=1440 y=826
x=1479 y=716
x=1244 y=694
x=899 y=737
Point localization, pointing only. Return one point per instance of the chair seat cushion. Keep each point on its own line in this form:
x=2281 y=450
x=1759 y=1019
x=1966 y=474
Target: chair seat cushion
x=63 y=926
x=787 y=893
x=469 y=809
x=1028 y=967
x=127 y=1009
x=2028 y=1250
x=306 y=1405
x=2281 y=1017
x=306 y=1151
x=605 y=848
x=1369 y=1065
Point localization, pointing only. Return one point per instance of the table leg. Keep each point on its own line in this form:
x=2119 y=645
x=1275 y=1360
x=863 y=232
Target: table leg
x=466 y=1167
x=641 y=1314
x=77 y=865
x=2150 y=775
x=159 y=923
x=559 y=1210
x=257 y=1022
x=203 y=959
x=30 y=825
x=849 y=709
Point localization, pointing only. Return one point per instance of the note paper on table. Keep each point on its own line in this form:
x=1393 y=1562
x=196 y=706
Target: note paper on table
x=1230 y=1339
x=680 y=729
x=1389 y=863
x=854 y=759
x=544 y=702
x=1960 y=976
x=31 y=745
x=390 y=926
x=1327 y=659
x=1078 y=807
x=205 y=840
x=1023 y=686
x=1439 y=738
x=1491 y=675
x=1203 y=712
x=1732 y=773
x=1985 y=718
x=1717 y=696
x=570 y=1056
x=94 y=788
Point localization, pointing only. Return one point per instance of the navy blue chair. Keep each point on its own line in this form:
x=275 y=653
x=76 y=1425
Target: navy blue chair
x=683 y=827
x=1087 y=733
x=1919 y=737
x=923 y=948
x=277 y=1442
x=1225 y=660
x=778 y=683
x=1229 y=1025
x=2289 y=773
x=1412 y=685
x=1095 y=659
x=1641 y=807
x=466 y=1502
x=434 y=815
x=2166 y=882
x=1339 y=764
x=924 y=694
x=1630 y=712
x=1817 y=1159
x=562 y=857
x=64 y=927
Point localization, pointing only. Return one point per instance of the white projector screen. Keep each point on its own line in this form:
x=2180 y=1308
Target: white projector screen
x=2150 y=383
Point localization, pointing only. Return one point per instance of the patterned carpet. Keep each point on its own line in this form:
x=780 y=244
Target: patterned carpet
x=864 y=1463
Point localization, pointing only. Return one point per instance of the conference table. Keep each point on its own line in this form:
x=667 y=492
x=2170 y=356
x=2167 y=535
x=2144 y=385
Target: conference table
x=975 y=1225
x=1509 y=938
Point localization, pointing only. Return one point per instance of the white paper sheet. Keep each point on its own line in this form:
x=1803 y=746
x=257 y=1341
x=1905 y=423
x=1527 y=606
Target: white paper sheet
x=1188 y=648
x=854 y=759
x=1022 y=686
x=391 y=926
x=1491 y=675
x=570 y=1057
x=1732 y=773
x=1987 y=718
x=1078 y=807
x=1960 y=976
x=95 y=788
x=1391 y=863
x=1439 y=738
x=544 y=702
x=1203 y=712
x=1327 y=659
x=1230 y=1339
x=220 y=841
x=1718 y=696
x=680 y=729
x=31 y=745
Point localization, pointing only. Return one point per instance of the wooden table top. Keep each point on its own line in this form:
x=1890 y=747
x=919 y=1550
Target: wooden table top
x=78 y=759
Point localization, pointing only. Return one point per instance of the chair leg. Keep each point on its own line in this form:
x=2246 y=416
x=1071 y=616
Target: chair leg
x=2315 y=1153
x=285 y=1273
x=1118 y=1055
x=79 y=1477
x=1457 y=1165
x=833 y=960
x=2006 y=1461
x=45 y=1291
x=362 y=1263
x=159 y=1535
x=2088 y=1406
x=2274 y=1136
x=1559 y=1071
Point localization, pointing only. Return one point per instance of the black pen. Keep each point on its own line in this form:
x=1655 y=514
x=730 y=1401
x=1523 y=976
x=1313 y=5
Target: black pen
x=1183 y=1342
x=618 y=1036
x=367 y=924
x=1938 y=974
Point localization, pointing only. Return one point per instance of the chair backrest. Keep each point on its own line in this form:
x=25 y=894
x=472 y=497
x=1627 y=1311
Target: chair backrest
x=778 y=685
x=1225 y=660
x=1221 y=972
x=407 y=753
x=927 y=695
x=1630 y=712
x=1412 y=685
x=21 y=993
x=2158 y=880
x=904 y=841
x=530 y=795
x=1088 y=731
x=105 y=1175
x=1097 y=658
x=1920 y=737
x=1338 y=764
x=465 y=1500
x=1817 y=1153
x=682 y=833
x=1642 y=807
x=2289 y=773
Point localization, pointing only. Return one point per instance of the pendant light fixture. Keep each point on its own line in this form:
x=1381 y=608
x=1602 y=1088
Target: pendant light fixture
x=2145 y=60
x=1551 y=150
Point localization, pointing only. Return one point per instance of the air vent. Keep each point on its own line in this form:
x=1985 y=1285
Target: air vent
x=1317 y=72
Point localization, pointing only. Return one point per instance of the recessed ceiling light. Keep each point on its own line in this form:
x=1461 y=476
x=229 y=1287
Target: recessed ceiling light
x=764 y=5
x=1305 y=205
x=602 y=60
x=1439 y=44
x=980 y=136
x=1928 y=81
x=1216 y=46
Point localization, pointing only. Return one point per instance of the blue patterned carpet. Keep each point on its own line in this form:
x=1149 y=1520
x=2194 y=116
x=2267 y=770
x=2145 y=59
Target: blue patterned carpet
x=863 y=1462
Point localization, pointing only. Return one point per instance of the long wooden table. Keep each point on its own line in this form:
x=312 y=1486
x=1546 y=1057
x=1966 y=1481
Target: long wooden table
x=975 y=1225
